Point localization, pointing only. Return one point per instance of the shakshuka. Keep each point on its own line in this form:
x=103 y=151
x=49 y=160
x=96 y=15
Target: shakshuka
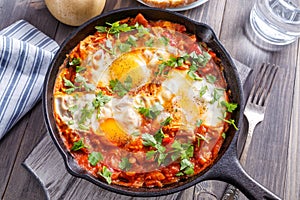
x=142 y=103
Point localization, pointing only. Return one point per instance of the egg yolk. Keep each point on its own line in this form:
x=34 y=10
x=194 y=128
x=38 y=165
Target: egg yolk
x=114 y=132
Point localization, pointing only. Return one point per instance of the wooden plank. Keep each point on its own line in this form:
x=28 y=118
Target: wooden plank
x=272 y=135
x=21 y=184
x=292 y=184
x=9 y=146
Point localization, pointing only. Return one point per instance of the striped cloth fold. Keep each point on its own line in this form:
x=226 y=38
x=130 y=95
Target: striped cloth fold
x=25 y=55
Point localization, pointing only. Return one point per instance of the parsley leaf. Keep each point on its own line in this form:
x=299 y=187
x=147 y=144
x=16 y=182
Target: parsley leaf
x=148 y=140
x=166 y=122
x=132 y=40
x=200 y=59
x=155 y=141
x=150 y=42
x=152 y=112
x=211 y=78
x=75 y=62
x=172 y=62
x=100 y=100
x=229 y=106
x=199 y=122
x=231 y=122
x=106 y=174
x=80 y=69
x=68 y=83
x=73 y=109
x=203 y=90
x=86 y=113
x=119 y=88
x=101 y=29
x=150 y=154
x=184 y=152
x=94 y=158
x=223 y=135
x=217 y=94
x=164 y=40
x=141 y=30
x=125 y=164
x=77 y=145
x=124 y=47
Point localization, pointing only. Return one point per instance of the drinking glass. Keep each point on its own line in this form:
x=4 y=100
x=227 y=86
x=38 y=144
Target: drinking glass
x=276 y=22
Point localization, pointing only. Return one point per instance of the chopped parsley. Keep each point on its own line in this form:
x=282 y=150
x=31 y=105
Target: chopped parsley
x=124 y=47
x=183 y=152
x=203 y=90
x=164 y=40
x=192 y=73
x=230 y=121
x=166 y=122
x=86 y=113
x=106 y=174
x=211 y=78
x=217 y=94
x=75 y=62
x=94 y=158
x=199 y=122
x=155 y=141
x=172 y=62
x=77 y=145
x=201 y=59
x=151 y=112
x=71 y=87
x=73 y=109
x=115 y=28
x=223 y=135
x=87 y=86
x=230 y=107
x=100 y=100
x=150 y=42
x=119 y=88
x=125 y=164
x=80 y=69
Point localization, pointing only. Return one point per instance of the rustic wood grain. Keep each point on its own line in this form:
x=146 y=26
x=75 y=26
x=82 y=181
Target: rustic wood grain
x=270 y=142
x=293 y=168
x=21 y=182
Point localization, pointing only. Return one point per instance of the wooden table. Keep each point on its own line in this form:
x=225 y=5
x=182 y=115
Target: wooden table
x=273 y=156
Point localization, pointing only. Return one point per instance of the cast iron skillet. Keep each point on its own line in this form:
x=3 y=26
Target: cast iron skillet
x=225 y=168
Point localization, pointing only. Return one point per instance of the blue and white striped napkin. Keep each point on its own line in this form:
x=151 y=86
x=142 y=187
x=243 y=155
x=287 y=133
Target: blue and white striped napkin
x=25 y=55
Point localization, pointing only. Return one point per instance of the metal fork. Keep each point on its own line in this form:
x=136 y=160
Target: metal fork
x=254 y=112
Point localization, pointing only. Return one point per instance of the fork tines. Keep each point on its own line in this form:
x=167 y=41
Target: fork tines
x=263 y=83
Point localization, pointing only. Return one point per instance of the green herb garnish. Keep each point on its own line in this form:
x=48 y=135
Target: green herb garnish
x=94 y=158
x=125 y=164
x=152 y=112
x=230 y=107
x=230 y=121
x=199 y=122
x=183 y=152
x=203 y=90
x=119 y=88
x=211 y=78
x=75 y=62
x=100 y=100
x=217 y=94
x=106 y=174
x=166 y=122
x=155 y=141
x=77 y=145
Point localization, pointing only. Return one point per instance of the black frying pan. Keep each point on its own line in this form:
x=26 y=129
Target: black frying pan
x=225 y=168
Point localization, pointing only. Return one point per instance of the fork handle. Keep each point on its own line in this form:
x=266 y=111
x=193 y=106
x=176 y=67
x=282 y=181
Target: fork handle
x=243 y=156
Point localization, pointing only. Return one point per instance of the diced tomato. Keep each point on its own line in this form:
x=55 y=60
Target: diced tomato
x=141 y=20
x=167 y=140
x=212 y=54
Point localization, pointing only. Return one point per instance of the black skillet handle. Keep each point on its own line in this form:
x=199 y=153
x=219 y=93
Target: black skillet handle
x=228 y=169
